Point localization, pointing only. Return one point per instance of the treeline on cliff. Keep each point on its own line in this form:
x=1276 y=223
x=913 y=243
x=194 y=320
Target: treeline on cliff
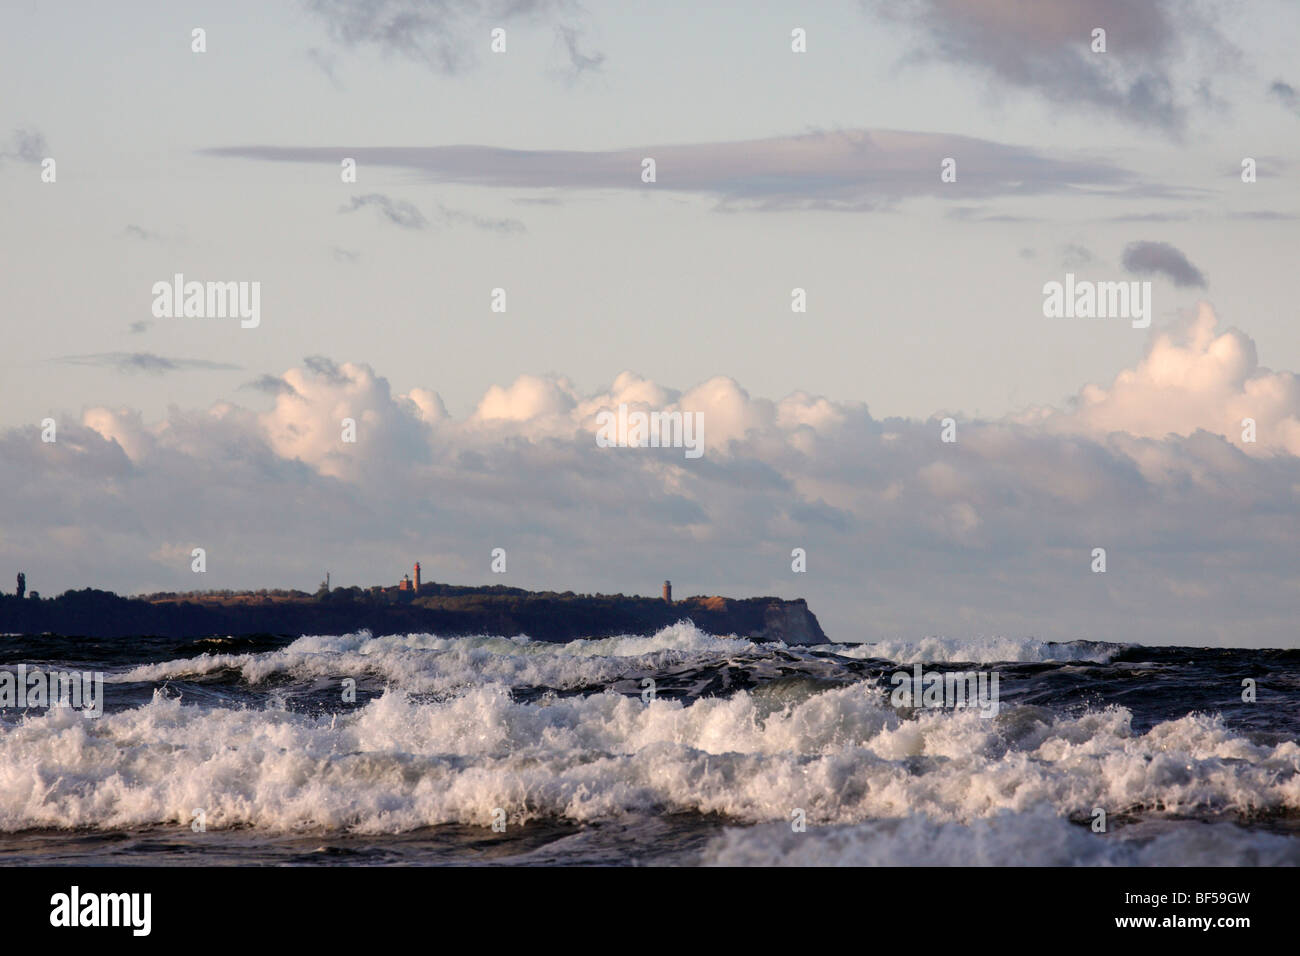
x=442 y=609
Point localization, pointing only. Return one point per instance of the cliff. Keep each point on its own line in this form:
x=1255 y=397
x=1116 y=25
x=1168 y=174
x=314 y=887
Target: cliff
x=438 y=608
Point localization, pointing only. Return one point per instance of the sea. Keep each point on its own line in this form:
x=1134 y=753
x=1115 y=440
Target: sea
x=681 y=748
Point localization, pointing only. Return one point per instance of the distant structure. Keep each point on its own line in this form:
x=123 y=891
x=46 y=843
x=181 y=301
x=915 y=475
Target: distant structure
x=22 y=584
x=668 y=591
x=407 y=583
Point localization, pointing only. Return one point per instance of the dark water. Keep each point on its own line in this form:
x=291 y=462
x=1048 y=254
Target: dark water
x=351 y=750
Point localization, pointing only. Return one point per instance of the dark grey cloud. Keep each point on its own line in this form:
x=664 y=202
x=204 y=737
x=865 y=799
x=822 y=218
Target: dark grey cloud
x=1285 y=94
x=844 y=169
x=408 y=216
x=461 y=217
x=1046 y=48
x=1161 y=258
x=271 y=385
x=345 y=255
x=397 y=211
x=25 y=145
x=446 y=35
x=144 y=362
x=327 y=63
x=141 y=325
x=580 y=62
x=141 y=233
x=325 y=368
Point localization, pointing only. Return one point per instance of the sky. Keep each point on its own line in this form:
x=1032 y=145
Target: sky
x=521 y=170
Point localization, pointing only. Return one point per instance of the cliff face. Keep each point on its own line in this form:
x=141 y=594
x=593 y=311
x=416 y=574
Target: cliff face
x=441 y=609
x=759 y=619
x=792 y=622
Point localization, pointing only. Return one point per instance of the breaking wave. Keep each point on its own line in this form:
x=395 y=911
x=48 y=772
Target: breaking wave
x=455 y=730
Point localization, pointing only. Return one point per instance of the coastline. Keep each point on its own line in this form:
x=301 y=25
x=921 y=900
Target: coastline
x=435 y=608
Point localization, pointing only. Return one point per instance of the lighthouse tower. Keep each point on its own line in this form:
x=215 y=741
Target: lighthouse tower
x=417 y=578
x=668 y=592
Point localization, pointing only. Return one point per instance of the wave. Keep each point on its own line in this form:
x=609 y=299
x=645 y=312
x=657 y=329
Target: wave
x=983 y=650
x=842 y=755
x=1006 y=839
x=429 y=664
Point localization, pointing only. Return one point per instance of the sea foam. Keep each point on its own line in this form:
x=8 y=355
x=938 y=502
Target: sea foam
x=842 y=755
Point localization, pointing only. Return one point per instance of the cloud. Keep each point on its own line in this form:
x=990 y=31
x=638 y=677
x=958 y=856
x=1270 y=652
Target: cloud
x=397 y=211
x=1150 y=217
x=1046 y=48
x=1160 y=258
x=444 y=34
x=461 y=217
x=325 y=368
x=975 y=214
x=306 y=424
x=144 y=361
x=270 y=384
x=1075 y=256
x=408 y=216
x=579 y=61
x=843 y=170
x=139 y=232
x=905 y=534
x=1285 y=94
x=327 y=64
x=26 y=145
x=1193 y=378
x=1263 y=215
x=141 y=325
x=529 y=397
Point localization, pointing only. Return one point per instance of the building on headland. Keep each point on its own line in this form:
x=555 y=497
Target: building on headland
x=668 y=592
x=410 y=584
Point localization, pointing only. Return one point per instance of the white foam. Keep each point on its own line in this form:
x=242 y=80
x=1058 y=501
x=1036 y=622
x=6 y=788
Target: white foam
x=395 y=764
x=1035 y=838
x=428 y=664
x=981 y=650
